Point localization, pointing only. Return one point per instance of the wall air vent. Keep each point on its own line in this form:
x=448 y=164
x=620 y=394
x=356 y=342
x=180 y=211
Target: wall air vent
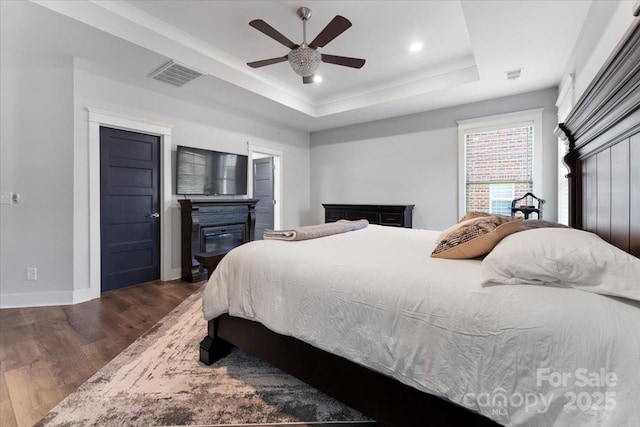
x=175 y=74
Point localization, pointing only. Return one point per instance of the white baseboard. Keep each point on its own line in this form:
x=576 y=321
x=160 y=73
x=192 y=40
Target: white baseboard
x=42 y=299
x=176 y=273
x=86 y=294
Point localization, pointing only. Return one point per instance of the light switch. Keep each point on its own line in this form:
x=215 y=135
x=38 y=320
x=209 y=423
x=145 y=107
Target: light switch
x=6 y=197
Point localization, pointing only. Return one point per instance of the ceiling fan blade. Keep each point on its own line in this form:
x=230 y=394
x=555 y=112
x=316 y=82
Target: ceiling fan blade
x=343 y=60
x=307 y=79
x=257 y=64
x=337 y=26
x=267 y=29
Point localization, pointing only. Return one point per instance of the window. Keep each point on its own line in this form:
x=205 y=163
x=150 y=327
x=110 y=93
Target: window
x=500 y=198
x=498 y=160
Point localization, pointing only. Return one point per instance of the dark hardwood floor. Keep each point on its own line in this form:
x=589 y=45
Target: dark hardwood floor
x=47 y=352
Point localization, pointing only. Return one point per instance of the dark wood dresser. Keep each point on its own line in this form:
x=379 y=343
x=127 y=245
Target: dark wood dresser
x=393 y=215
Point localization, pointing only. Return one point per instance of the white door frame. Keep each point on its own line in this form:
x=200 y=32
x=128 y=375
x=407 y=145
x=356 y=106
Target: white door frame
x=99 y=118
x=277 y=179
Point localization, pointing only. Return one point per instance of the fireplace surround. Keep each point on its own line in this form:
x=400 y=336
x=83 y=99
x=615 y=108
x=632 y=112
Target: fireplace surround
x=213 y=226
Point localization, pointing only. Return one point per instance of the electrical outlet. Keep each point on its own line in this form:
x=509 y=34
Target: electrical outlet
x=6 y=197
x=32 y=273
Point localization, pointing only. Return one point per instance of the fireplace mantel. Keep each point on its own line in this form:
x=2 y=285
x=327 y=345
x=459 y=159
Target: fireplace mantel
x=199 y=215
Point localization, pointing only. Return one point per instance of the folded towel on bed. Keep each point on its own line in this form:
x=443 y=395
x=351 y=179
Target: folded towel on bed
x=315 y=231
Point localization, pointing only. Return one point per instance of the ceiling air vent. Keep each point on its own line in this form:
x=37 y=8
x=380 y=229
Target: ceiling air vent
x=514 y=74
x=175 y=74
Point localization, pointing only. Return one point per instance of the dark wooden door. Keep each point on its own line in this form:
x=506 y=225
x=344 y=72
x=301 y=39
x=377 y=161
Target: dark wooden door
x=263 y=190
x=129 y=208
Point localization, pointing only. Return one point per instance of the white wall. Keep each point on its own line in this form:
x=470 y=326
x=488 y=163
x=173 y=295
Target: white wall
x=414 y=160
x=36 y=142
x=192 y=125
x=45 y=137
x=604 y=27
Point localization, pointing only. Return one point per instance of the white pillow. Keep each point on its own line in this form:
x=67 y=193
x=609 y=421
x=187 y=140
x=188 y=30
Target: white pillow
x=563 y=257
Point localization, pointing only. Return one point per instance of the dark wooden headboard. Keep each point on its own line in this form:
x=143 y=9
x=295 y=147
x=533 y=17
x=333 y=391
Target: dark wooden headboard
x=602 y=134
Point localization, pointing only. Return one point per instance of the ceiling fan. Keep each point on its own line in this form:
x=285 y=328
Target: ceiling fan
x=305 y=58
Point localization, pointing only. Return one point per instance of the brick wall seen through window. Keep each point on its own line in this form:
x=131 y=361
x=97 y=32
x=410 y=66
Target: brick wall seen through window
x=499 y=168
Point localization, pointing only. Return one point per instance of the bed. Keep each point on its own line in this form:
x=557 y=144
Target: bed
x=395 y=384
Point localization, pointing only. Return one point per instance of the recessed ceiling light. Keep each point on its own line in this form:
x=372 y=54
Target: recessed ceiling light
x=414 y=47
x=317 y=78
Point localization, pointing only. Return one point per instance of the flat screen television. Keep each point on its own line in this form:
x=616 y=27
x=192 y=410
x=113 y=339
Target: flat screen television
x=210 y=173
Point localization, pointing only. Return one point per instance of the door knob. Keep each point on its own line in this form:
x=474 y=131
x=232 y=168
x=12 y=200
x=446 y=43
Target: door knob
x=154 y=215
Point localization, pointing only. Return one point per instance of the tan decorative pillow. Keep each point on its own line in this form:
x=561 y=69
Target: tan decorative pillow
x=473 y=214
x=474 y=237
x=477 y=214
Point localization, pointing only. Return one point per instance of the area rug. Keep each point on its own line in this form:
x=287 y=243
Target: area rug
x=159 y=381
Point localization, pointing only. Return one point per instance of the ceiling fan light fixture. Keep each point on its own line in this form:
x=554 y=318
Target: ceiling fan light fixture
x=304 y=60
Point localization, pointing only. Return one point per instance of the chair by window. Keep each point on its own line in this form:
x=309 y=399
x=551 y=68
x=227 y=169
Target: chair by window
x=528 y=208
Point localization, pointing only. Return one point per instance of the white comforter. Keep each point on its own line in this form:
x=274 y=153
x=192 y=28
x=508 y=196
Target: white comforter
x=521 y=355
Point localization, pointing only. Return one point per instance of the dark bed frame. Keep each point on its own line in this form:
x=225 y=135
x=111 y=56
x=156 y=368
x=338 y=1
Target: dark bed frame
x=602 y=135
